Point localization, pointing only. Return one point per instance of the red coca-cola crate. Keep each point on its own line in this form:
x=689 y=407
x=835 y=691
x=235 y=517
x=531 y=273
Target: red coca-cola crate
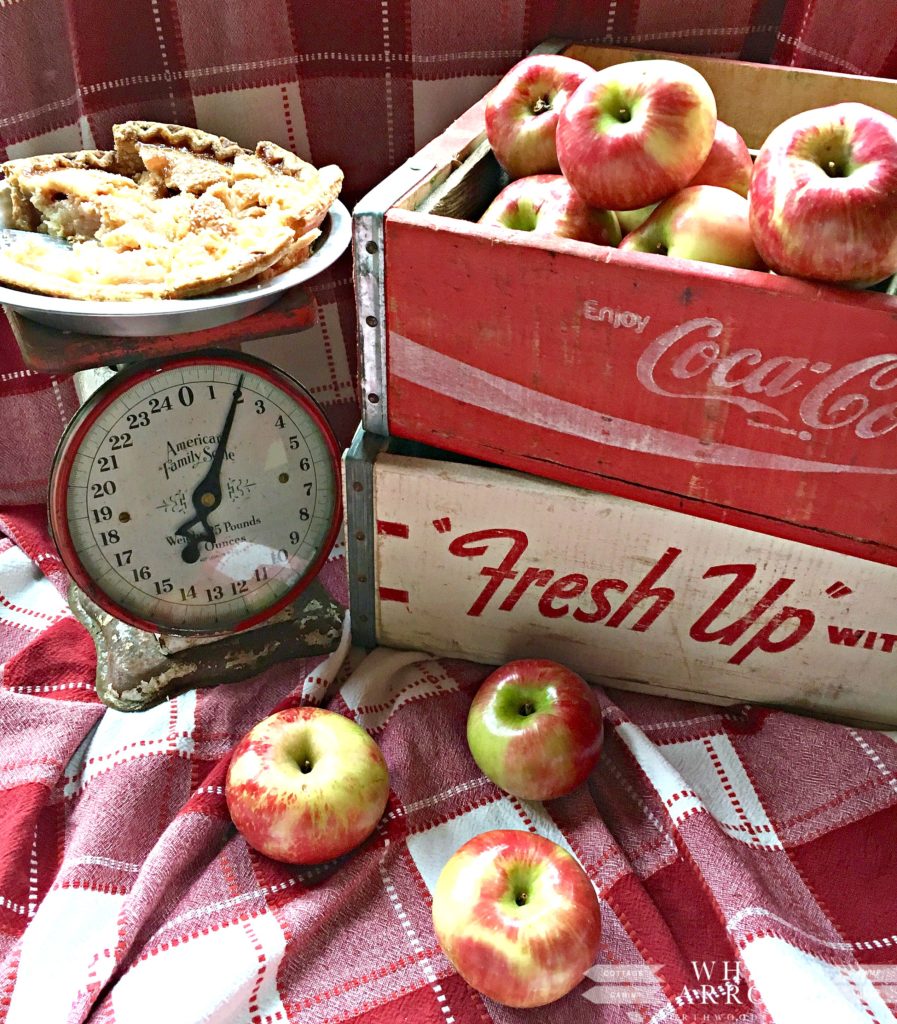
x=740 y=397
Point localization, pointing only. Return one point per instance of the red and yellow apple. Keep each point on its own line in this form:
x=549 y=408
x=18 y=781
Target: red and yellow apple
x=535 y=729
x=824 y=195
x=728 y=163
x=635 y=133
x=702 y=222
x=522 y=112
x=306 y=785
x=517 y=917
x=546 y=205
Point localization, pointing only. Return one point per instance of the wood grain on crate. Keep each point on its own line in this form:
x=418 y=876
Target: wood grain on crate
x=488 y=564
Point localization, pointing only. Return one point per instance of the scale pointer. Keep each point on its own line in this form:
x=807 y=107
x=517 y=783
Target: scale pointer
x=206 y=495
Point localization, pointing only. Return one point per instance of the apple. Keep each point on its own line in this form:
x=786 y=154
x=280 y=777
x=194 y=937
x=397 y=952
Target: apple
x=546 y=205
x=535 y=729
x=702 y=222
x=728 y=163
x=824 y=195
x=306 y=785
x=522 y=112
x=635 y=133
x=517 y=917
x=629 y=220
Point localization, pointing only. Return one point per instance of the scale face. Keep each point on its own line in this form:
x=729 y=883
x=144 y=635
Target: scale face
x=196 y=495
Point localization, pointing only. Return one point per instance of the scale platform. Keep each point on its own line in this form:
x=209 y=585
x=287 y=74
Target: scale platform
x=140 y=667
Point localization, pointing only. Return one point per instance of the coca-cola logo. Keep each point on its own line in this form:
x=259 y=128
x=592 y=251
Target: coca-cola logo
x=785 y=394
x=793 y=394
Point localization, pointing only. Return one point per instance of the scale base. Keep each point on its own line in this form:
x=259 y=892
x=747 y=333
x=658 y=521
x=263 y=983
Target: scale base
x=137 y=669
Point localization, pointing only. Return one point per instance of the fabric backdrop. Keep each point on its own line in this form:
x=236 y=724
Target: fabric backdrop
x=744 y=858
x=360 y=83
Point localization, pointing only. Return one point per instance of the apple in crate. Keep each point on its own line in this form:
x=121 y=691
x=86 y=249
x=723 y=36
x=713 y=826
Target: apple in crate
x=306 y=785
x=517 y=917
x=728 y=163
x=702 y=222
x=629 y=220
x=546 y=205
x=824 y=195
x=535 y=729
x=635 y=133
x=522 y=112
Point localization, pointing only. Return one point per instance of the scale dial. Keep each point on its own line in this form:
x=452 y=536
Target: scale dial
x=196 y=495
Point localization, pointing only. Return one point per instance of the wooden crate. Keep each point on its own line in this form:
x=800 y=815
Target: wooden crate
x=477 y=562
x=748 y=399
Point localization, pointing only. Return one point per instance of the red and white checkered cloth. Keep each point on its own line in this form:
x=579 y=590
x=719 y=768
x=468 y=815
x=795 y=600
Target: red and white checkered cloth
x=745 y=859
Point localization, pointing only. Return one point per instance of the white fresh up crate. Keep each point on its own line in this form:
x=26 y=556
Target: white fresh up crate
x=489 y=564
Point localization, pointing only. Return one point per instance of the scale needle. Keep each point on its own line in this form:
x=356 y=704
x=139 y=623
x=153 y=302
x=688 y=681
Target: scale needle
x=206 y=495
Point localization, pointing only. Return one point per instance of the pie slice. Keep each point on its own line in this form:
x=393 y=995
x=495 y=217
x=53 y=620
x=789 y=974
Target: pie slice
x=171 y=212
x=20 y=213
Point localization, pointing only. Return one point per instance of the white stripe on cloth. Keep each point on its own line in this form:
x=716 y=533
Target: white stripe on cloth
x=27 y=598
x=212 y=978
x=796 y=987
x=72 y=936
x=122 y=736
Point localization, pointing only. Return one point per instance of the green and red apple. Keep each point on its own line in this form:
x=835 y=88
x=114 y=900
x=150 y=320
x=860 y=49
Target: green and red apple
x=629 y=220
x=517 y=917
x=306 y=785
x=545 y=204
x=634 y=133
x=728 y=163
x=535 y=729
x=522 y=112
x=824 y=195
x=702 y=222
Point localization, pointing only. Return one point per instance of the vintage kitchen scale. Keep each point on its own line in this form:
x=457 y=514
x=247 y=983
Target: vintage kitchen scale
x=195 y=493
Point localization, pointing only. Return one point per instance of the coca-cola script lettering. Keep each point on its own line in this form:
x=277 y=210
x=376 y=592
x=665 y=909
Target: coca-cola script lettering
x=798 y=394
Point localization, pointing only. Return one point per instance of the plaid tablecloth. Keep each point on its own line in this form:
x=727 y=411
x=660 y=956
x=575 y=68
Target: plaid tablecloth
x=745 y=858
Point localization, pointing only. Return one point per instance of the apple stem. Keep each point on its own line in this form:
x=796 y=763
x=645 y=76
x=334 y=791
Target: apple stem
x=305 y=767
x=521 y=899
x=526 y=709
x=542 y=104
x=624 y=115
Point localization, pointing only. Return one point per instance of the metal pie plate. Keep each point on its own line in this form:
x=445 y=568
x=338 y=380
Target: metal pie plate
x=153 y=317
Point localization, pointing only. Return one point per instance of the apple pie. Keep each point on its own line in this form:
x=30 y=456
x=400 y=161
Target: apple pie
x=170 y=212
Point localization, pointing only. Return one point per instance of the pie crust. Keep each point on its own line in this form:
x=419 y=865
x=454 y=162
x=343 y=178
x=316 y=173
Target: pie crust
x=170 y=212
